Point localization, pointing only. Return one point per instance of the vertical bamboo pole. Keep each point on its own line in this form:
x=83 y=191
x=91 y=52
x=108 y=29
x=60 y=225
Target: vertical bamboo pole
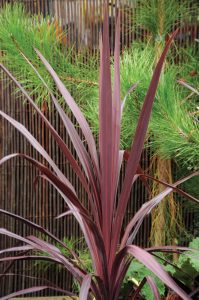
x=165 y=218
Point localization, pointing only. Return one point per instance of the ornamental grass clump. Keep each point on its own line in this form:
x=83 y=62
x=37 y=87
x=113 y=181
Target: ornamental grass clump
x=111 y=251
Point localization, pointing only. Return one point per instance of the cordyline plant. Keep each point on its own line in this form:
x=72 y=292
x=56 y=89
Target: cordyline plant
x=111 y=253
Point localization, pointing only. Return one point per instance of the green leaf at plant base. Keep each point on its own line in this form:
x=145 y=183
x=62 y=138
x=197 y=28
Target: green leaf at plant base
x=192 y=258
x=137 y=272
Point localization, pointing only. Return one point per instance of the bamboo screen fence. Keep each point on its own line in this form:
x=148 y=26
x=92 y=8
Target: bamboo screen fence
x=17 y=192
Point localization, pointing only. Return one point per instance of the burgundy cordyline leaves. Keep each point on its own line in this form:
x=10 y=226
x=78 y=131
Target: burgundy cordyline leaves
x=99 y=175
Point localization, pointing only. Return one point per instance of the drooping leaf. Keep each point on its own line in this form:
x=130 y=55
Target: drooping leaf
x=185 y=84
x=76 y=112
x=36 y=289
x=132 y=88
x=148 y=206
x=37 y=146
x=14 y=249
x=58 y=139
x=84 y=291
x=78 y=145
x=153 y=287
x=39 y=228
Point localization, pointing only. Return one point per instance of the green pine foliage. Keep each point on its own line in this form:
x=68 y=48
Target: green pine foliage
x=21 y=33
x=147 y=15
x=174 y=127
